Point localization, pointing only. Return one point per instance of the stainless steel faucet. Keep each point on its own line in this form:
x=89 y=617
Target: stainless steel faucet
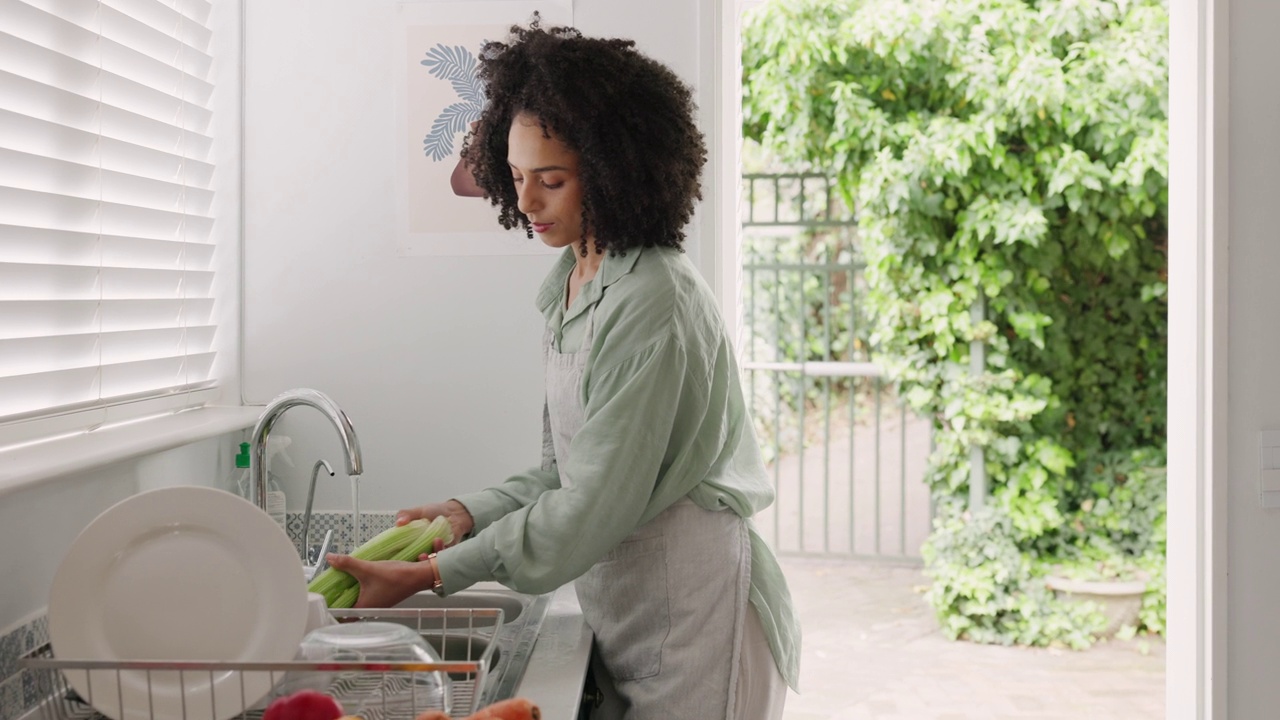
x=282 y=402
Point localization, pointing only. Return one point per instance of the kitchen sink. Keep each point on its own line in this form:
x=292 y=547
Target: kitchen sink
x=511 y=604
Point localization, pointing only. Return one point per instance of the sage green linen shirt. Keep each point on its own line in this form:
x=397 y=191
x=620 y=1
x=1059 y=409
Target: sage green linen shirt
x=664 y=418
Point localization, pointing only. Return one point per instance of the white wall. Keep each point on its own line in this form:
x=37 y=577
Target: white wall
x=435 y=359
x=1253 y=588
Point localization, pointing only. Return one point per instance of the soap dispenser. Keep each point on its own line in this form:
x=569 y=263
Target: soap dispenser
x=275 y=496
x=241 y=473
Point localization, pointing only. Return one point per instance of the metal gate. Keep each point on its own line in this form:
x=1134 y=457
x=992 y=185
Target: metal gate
x=847 y=458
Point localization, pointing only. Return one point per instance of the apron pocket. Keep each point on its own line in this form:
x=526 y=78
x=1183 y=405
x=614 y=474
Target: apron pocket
x=624 y=601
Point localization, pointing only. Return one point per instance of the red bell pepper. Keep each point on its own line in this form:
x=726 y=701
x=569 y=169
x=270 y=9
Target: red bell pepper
x=304 y=705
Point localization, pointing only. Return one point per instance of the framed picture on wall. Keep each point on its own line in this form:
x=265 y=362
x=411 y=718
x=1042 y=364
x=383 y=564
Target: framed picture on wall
x=440 y=210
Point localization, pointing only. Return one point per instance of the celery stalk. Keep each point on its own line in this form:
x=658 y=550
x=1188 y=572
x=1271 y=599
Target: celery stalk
x=404 y=542
x=347 y=598
x=426 y=542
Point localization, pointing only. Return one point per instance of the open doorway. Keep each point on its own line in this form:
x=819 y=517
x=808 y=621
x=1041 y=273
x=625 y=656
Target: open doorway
x=1195 y=671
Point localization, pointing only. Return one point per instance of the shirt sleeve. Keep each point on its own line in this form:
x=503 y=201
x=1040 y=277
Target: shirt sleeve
x=632 y=413
x=517 y=491
x=489 y=504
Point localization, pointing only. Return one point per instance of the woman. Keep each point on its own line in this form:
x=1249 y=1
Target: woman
x=650 y=467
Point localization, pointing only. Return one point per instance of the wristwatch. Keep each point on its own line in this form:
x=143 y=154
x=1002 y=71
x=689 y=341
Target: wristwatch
x=437 y=585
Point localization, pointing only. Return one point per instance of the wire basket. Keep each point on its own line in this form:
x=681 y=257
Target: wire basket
x=200 y=690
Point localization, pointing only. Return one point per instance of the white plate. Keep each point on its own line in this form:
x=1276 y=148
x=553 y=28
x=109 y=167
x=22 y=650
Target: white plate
x=181 y=573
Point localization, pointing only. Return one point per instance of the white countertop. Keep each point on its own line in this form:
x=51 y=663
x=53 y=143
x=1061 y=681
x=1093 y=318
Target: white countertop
x=557 y=669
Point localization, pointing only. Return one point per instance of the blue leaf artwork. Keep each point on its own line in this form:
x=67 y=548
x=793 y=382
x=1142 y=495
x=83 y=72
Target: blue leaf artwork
x=457 y=65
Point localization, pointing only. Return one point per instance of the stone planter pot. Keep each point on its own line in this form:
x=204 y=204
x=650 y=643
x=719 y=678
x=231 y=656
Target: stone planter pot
x=1118 y=600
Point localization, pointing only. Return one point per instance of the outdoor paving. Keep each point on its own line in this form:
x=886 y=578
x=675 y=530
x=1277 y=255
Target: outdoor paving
x=873 y=651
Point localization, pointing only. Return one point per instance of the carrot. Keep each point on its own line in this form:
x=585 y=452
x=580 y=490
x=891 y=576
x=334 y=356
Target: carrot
x=512 y=709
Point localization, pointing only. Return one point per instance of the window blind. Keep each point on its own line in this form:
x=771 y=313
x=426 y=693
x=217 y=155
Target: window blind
x=106 y=244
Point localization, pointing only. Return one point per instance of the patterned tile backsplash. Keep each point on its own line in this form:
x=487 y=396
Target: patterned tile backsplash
x=17 y=686
x=18 y=693
x=371 y=524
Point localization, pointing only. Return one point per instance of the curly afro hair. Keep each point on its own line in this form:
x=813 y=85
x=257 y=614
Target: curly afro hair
x=629 y=118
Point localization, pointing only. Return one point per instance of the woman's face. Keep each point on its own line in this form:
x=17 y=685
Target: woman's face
x=545 y=173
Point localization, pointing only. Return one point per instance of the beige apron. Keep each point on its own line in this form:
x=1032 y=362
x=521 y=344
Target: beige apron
x=668 y=604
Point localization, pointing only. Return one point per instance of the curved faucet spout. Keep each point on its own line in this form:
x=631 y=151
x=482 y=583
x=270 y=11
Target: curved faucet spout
x=282 y=402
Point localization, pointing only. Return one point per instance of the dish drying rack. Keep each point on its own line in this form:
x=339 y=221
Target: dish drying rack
x=386 y=690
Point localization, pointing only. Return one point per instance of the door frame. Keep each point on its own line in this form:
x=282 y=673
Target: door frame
x=1196 y=649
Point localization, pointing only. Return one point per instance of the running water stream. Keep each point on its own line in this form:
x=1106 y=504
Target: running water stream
x=355 y=512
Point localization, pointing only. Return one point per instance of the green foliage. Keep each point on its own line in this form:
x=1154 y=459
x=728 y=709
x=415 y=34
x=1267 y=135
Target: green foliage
x=986 y=589
x=1124 y=512
x=1119 y=531
x=1011 y=152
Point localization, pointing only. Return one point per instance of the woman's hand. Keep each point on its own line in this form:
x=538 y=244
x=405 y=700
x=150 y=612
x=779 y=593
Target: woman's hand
x=460 y=520
x=385 y=583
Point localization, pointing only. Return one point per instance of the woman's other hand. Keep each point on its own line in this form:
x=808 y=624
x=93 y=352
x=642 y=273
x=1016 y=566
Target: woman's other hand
x=384 y=583
x=460 y=520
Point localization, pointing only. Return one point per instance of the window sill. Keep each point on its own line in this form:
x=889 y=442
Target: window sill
x=29 y=464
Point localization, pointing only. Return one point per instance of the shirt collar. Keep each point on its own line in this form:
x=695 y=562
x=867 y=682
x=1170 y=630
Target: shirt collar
x=614 y=267
x=552 y=291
